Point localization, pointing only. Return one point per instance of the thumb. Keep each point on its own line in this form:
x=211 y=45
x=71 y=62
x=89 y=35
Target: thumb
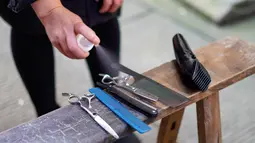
x=81 y=28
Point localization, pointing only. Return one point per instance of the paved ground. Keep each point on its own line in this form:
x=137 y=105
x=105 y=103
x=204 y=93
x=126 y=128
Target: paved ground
x=147 y=28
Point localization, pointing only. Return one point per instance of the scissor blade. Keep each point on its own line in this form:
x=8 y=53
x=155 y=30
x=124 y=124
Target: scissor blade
x=140 y=92
x=102 y=74
x=146 y=95
x=107 y=127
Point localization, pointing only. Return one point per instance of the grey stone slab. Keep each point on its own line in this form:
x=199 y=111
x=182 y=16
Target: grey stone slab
x=69 y=124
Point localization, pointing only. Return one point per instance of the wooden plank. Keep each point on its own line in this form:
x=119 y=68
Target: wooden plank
x=208 y=119
x=169 y=127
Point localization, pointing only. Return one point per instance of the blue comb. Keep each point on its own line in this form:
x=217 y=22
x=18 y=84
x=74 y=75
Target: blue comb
x=120 y=110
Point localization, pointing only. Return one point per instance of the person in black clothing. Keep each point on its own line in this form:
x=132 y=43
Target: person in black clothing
x=37 y=25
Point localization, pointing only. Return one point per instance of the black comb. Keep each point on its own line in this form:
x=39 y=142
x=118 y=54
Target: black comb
x=192 y=71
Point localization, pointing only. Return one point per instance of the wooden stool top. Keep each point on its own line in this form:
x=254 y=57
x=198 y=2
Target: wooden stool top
x=227 y=61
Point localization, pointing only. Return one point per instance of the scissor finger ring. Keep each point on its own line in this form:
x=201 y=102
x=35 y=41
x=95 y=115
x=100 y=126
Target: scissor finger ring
x=73 y=99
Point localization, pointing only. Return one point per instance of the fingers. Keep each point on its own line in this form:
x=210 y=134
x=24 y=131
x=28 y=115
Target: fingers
x=116 y=5
x=61 y=27
x=106 y=6
x=56 y=45
x=111 y=6
x=81 y=28
x=66 y=43
x=65 y=49
x=58 y=41
x=65 y=40
x=74 y=48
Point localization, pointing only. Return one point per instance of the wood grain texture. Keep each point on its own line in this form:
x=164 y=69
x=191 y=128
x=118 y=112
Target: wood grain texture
x=169 y=127
x=208 y=119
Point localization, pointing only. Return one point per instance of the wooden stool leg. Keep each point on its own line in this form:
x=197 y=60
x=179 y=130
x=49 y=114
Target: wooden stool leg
x=169 y=127
x=208 y=119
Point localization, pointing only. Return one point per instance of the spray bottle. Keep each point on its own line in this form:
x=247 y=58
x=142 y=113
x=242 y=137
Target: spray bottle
x=84 y=43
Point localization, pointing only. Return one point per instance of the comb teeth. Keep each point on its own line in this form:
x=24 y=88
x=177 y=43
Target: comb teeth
x=201 y=77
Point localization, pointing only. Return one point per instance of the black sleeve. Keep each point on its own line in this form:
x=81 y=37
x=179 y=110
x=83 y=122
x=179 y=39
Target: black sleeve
x=18 y=5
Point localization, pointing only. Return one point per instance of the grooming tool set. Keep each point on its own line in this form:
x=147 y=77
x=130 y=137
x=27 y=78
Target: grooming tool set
x=142 y=92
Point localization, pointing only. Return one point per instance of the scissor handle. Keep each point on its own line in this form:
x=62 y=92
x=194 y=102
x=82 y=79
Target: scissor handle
x=89 y=95
x=73 y=99
x=107 y=79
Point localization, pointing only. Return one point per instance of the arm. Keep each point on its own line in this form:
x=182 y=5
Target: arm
x=62 y=25
x=108 y=5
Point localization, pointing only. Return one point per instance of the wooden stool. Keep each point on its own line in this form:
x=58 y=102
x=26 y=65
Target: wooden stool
x=227 y=61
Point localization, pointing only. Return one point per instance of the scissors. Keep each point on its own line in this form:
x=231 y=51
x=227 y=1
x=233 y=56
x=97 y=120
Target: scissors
x=108 y=80
x=74 y=99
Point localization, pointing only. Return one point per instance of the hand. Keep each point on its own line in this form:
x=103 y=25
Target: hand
x=110 y=6
x=62 y=26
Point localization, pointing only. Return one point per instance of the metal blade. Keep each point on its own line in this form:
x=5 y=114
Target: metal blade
x=107 y=127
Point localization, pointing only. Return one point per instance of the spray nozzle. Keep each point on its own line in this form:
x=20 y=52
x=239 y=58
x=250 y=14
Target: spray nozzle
x=84 y=43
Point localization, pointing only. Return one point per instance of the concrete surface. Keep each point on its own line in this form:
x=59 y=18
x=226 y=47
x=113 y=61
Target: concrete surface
x=147 y=29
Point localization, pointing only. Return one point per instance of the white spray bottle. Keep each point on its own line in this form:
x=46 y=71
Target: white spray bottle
x=84 y=43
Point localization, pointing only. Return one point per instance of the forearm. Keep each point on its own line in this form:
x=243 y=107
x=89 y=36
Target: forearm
x=43 y=7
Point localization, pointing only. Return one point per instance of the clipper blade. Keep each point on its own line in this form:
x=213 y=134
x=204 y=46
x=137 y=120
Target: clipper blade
x=192 y=71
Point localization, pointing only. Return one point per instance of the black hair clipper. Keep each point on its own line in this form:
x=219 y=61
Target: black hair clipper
x=192 y=71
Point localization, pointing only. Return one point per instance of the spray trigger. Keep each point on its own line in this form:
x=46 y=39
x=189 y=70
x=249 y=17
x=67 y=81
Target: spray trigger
x=84 y=43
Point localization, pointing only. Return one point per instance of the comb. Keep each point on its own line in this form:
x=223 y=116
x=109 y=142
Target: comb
x=122 y=112
x=192 y=71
